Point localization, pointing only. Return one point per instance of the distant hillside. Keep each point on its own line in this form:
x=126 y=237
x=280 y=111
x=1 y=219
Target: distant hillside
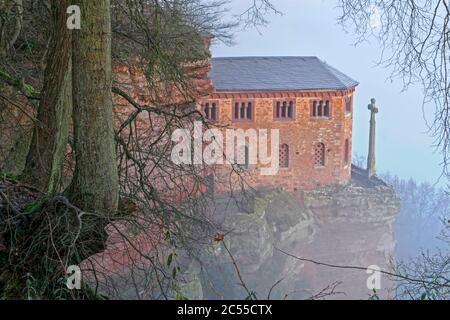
x=420 y=221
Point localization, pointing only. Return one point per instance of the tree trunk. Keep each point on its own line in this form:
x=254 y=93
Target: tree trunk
x=45 y=158
x=95 y=185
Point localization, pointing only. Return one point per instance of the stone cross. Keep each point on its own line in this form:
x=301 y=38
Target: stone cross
x=371 y=159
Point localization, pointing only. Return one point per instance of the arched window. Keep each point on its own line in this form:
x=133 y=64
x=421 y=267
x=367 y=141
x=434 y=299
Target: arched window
x=283 y=113
x=319 y=155
x=326 y=111
x=291 y=110
x=242 y=116
x=314 y=109
x=236 y=110
x=210 y=110
x=214 y=111
x=249 y=111
x=284 y=156
x=321 y=109
x=284 y=110
x=206 y=110
x=347 y=152
x=243 y=111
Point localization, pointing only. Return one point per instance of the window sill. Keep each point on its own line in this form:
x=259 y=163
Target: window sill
x=284 y=120
x=242 y=121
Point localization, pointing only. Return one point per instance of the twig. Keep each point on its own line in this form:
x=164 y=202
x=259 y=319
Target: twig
x=399 y=276
x=10 y=205
x=250 y=294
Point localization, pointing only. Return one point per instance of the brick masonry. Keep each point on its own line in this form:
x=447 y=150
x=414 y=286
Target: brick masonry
x=301 y=134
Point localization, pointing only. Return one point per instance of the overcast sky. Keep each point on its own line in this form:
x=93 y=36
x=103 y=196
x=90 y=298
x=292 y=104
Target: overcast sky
x=309 y=28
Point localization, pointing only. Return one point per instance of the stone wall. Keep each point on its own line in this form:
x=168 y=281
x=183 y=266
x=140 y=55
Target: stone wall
x=301 y=134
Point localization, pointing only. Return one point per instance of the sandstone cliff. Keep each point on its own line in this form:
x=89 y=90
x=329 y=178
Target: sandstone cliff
x=347 y=226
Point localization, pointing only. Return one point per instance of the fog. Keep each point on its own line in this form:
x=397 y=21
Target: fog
x=404 y=148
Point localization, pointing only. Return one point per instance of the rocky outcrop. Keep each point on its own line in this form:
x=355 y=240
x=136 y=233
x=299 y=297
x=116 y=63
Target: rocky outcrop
x=341 y=225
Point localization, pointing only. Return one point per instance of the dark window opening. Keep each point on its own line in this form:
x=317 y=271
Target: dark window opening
x=243 y=111
x=284 y=110
x=206 y=111
x=319 y=155
x=291 y=110
x=249 y=111
x=284 y=156
x=210 y=111
x=214 y=112
x=321 y=109
x=326 y=112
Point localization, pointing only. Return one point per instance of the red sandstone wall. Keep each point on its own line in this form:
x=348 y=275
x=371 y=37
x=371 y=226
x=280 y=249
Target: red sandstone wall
x=301 y=134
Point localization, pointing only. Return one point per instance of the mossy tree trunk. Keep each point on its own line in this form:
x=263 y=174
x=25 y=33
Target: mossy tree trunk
x=95 y=183
x=45 y=158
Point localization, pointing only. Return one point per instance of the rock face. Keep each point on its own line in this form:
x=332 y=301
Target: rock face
x=344 y=226
x=355 y=227
x=252 y=239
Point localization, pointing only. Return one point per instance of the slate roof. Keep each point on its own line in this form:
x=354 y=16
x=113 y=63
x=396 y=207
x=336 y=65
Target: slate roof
x=276 y=73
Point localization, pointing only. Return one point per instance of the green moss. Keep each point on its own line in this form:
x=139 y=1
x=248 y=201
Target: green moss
x=18 y=84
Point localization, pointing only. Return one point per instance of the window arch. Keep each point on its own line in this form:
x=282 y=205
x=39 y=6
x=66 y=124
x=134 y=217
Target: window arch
x=284 y=156
x=206 y=110
x=326 y=111
x=210 y=111
x=319 y=155
x=291 y=110
x=249 y=111
x=214 y=111
x=284 y=109
x=243 y=111
x=321 y=109
x=236 y=110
